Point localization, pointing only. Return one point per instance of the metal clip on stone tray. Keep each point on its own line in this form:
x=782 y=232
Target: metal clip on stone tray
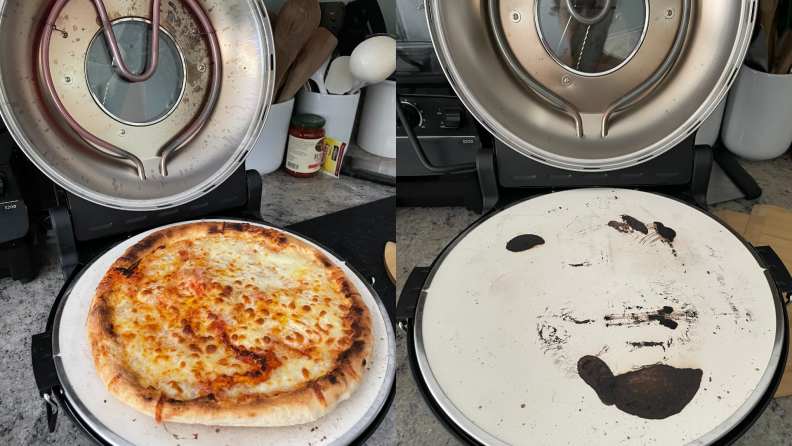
x=778 y=271
x=44 y=370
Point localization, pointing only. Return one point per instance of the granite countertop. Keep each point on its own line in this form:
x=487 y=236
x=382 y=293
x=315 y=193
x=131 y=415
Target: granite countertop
x=24 y=307
x=421 y=233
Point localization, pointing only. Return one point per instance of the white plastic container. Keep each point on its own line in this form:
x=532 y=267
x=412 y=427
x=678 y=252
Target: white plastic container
x=267 y=155
x=377 y=134
x=338 y=110
x=757 y=124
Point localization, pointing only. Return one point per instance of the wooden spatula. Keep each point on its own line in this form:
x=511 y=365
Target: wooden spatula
x=297 y=22
x=315 y=52
x=390 y=261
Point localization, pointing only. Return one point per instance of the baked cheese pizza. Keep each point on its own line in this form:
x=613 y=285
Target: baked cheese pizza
x=228 y=323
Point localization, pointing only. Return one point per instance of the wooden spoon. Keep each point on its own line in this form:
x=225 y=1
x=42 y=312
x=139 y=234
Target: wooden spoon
x=315 y=52
x=297 y=22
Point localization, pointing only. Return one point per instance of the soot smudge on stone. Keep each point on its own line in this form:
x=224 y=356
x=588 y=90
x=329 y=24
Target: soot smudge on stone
x=524 y=242
x=647 y=344
x=665 y=316
x=665 y=232
x=635 y=224
x=654 y=393
x=619 y=226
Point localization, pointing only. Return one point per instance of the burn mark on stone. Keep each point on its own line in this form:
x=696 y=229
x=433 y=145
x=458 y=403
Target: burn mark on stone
x=635 y=224
x=666 y=233
x=661 y=318
x=631 y=225
x=665 y=316
x=524 y=242
x=550 y=337
x=619 y=226
x=647 y=344
x=654 y=393
x=565 y=315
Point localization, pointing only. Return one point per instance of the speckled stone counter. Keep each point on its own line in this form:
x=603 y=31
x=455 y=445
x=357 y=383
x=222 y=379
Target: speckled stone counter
x=421 y=233
x=24 y=308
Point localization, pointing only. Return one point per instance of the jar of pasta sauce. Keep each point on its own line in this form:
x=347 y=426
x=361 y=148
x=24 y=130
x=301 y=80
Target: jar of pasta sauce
x=305 y=152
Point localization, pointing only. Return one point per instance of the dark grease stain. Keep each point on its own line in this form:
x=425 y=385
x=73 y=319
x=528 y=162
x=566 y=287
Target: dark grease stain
x=524 y=242
x=665 y=232
x=577 y=265
x=635 y=224
x=654 y=393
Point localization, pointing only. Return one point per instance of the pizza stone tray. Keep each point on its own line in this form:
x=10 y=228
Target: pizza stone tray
x=498 y=334
x=119 y=424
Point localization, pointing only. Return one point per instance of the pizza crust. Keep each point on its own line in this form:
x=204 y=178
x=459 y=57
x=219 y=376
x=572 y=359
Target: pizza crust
x=303 y=404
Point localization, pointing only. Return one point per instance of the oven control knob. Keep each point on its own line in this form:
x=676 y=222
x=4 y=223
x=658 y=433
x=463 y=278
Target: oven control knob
x=452 y=118
x=413 y=114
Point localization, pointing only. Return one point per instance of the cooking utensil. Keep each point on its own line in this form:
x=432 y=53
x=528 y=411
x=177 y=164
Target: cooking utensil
x=756 y=57
x=310 y=58
x=297 y=22
x=372 y=61
x=333 y=14
x=785 y=57
x=390 y=261
x=319 y=76
x=339 y=80
x=767 y=11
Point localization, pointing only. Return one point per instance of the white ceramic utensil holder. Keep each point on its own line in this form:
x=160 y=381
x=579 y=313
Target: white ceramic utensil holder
x=338 y=110
x=267 y=155
x=757 y=124
x=377 y=134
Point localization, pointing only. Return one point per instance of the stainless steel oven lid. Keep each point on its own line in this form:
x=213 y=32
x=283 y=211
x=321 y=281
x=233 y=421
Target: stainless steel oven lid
x=143 y=121
x=581 y=97
x=119 y=424
x=501 y=327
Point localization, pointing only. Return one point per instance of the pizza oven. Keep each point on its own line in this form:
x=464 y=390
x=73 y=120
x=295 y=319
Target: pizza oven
x=591 y=302
x=141 y=128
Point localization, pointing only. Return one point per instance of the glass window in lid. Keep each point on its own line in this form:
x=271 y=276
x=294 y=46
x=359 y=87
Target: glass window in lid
x=592 y=37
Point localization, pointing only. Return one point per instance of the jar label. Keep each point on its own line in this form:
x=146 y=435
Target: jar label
x=304 y=155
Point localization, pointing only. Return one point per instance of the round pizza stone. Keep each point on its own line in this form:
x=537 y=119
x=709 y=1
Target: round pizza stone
x=679 y=327
x=119 y=423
